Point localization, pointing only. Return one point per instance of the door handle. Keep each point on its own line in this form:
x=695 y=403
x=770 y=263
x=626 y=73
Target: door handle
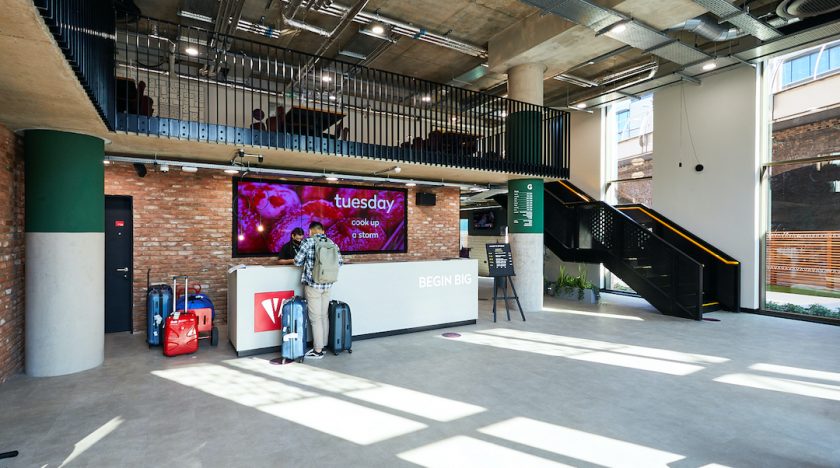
x=125 y=270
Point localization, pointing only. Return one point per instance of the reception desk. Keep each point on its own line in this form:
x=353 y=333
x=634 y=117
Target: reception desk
x=385 y=299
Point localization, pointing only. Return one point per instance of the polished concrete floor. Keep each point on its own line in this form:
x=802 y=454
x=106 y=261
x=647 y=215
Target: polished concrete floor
x=575 y=385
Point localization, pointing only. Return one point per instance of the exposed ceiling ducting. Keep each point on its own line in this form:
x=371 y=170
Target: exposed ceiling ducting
x=790 y=9
x=728 y=12
x=708 y=28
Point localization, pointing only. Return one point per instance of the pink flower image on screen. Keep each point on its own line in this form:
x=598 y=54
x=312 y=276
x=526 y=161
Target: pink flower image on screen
x=357 y=219
x=315 y=192
x=397 y=210
x=252 y=241
x=322 y=211
x=273 y=202
x=356 y=238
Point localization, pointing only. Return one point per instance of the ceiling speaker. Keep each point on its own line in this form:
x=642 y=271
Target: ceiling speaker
x=426 y=199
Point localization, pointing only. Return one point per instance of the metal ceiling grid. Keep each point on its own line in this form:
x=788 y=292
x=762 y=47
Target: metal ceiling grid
x=743 y=20
x=578 y=11
x=635 y=33
x=680 y=53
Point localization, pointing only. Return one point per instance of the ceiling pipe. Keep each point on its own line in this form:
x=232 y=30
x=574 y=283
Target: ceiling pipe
x=709 y=29
x=405 y=29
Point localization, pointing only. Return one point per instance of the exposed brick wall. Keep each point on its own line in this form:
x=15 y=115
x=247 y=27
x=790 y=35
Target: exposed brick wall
x=805 y=141
x=12 y=243
x=182 y=225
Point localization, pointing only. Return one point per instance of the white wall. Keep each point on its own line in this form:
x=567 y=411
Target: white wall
x=721 y=203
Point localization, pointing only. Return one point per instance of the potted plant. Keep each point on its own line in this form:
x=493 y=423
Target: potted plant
x=576 y=287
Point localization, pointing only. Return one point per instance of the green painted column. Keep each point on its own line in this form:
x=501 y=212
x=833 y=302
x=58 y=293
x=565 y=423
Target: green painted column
x=525 y=229
x=65 y=252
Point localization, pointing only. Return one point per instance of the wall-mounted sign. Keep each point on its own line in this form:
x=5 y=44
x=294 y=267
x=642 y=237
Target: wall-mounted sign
x=267 y=307
x=499 y=260
x=525 y=206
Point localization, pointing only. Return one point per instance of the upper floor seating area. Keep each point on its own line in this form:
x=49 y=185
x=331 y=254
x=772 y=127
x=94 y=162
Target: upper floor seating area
x=152 y=77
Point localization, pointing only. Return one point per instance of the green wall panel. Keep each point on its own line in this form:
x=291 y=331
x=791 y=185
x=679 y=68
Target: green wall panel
x=65 y=182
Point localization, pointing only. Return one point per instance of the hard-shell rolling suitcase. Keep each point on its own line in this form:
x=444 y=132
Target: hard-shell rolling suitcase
x=341 y=327
x=158 y=305
x=180 y=334
x=293 y=329
x=205 y=312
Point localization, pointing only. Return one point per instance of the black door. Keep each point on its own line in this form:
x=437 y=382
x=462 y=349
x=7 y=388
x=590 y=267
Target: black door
x=119 y=266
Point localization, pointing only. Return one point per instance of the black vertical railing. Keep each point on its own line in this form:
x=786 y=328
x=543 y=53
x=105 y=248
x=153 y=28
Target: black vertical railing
x=84 y=31
x=595 y=232
x=183 y=82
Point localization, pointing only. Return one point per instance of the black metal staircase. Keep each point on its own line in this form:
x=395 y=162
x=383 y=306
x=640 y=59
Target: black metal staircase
x=675 y=271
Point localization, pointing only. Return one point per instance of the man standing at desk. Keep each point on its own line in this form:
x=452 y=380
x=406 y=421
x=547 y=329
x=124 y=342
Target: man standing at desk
x=316 y=290
x=290 y=249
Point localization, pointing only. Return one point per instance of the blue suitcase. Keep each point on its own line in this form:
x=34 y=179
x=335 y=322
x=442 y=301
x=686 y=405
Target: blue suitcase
x=197 y=301
x=294 y=323
x=341 y=327
x=158 y=306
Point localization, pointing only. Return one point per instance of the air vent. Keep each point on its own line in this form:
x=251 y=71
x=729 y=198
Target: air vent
x=806 y=8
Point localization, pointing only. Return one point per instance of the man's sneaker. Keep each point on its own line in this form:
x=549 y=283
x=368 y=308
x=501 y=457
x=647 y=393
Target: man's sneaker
x=311 y=354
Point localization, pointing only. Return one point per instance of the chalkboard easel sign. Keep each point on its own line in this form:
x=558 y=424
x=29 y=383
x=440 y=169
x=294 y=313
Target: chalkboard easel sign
x=500 y=263
x=499 y=260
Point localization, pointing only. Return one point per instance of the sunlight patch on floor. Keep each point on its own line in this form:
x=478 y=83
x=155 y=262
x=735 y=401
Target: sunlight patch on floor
x=580 y=445
x=467 y=452
x=776 y=384
x=593 y=314
x=580 y=354
x=402 y=399
x=91 y=439
x=294 y=404
x=657 y=353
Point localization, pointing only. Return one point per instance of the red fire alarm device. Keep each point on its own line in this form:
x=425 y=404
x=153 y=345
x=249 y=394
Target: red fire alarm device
x=119 y=223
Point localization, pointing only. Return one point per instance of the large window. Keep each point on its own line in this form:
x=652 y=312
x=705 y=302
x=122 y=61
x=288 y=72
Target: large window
x=802 y=179
x=811 y=65
x=629 y=164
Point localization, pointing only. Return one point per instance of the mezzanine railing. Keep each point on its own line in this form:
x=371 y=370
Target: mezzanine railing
x=189 y=83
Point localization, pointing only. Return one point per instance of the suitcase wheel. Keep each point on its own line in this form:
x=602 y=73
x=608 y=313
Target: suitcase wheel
x=335 y=353
x=300 y=359
x=214 y=336
x=350 y=351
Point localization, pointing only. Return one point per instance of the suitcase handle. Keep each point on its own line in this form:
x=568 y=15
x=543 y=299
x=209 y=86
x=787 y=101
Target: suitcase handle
x=186 y=299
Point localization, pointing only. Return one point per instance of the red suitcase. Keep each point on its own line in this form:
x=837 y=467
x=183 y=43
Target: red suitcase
x=180 y=334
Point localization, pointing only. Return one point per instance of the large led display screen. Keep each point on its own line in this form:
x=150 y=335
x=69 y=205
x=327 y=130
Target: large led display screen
x=358 y=219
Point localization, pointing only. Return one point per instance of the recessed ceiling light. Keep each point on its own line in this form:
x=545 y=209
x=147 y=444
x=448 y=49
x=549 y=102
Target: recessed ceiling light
x=332 y=98
x=331 y=178
x=426 y=99
x=710 y=66
x=106 y=162
x=326 y=78
x=581 y=105
x=618 y=28
x=191 y=51
x=377 y=29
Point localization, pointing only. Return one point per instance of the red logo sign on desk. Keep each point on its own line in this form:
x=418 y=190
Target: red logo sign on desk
x=267 y=309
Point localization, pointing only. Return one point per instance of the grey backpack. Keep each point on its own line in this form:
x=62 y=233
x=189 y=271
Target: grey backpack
x=325 y=269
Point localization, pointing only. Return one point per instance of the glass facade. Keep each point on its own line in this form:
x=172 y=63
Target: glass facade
x=802 y=179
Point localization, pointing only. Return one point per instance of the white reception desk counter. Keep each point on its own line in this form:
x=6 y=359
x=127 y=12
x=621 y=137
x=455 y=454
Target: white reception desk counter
x=385 y=299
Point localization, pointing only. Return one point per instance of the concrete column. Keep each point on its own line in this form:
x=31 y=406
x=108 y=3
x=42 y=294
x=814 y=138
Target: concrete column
x=65 y=252
x=525 y=83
